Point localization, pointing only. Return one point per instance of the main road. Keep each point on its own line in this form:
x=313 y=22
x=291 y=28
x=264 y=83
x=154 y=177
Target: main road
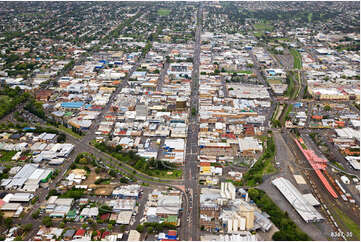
x=191 y=161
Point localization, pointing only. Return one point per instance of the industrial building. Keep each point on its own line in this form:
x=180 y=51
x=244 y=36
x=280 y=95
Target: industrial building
x=308 y=213
x=27 y=178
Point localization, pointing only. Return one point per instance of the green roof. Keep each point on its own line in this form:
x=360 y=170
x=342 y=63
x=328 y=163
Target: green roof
x=71 y=213
x=68 y=114
x=172 y=219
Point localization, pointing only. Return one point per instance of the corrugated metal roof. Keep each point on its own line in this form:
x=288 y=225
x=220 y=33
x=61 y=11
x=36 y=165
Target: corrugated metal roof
x=295 y=198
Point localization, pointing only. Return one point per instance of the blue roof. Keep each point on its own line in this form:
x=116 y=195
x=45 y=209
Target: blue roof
x=72 y=104
x=29 y=128
x=143 y=73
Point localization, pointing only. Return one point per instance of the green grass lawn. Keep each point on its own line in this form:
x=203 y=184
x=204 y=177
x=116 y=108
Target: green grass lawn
x=269 y=167
x=353 y=227
x=288 y=110
x=245 y=72
x=263 y=26
x=338 y=165
x=283 y=39
x=163 y=12
x=309 y=17
x=258 y=34
x=172 y=174
x=138 y=163
x=4 y=104
x=249 y=72
x=69 y=131
x=290 y=88
x=6 y=155
x=297 y=59
x=262 y=166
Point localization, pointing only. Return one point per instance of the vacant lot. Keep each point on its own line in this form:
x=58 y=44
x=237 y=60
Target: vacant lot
x=276 y=81
x=92 y=177
x=99 y=189
x=104 y=190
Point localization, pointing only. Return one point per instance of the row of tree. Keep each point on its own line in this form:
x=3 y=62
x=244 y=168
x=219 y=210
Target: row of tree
x=288 y=230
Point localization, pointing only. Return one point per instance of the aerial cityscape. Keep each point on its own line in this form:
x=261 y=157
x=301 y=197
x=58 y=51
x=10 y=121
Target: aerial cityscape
x=180 y=121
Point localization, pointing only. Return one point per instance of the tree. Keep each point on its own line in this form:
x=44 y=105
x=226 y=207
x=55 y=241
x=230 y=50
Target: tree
x=34 y=200
x=36 y=214
x=118 y=148
x=18 y=238
x=104 y=209
x=47 y=221
x=53 y=192
x=61 y=138
x=327 y=108
x=94 y=233
x=8 y=222
x=122 y=228
x=83 y=160
x=27 y=227
x=140 y=228
x=123 y=180
x=110 y=226
x=194 y=111
x=113 y=173
x=150 y=229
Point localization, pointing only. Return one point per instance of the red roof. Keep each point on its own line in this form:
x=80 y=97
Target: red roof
x=106 y=233
x=105 y=216
x=204 y=163
x=172 y=232
x=230 y=135
x=317 y=117
x=96 y=107
x=2 y=202
x=80 y=232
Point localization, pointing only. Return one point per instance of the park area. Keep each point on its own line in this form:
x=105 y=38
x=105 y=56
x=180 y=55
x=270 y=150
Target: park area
x=297 y=59
x=263 y=26
x=163 y=12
